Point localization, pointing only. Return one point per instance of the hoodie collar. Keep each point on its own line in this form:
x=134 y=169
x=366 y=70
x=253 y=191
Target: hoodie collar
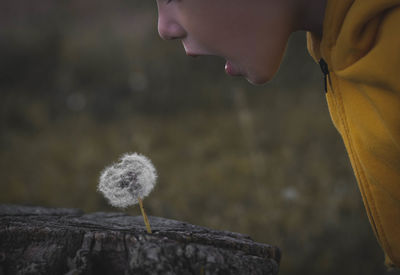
x=335 y=13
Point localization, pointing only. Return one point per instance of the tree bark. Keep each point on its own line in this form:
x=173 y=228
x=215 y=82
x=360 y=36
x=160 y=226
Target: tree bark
x=37 y=240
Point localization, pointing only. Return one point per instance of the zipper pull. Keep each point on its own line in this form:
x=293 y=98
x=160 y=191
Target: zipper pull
x=325 y=71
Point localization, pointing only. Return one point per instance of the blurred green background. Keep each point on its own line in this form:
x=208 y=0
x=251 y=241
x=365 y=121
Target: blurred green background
x=83 y=82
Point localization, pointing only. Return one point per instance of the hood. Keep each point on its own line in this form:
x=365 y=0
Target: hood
x=350 y=30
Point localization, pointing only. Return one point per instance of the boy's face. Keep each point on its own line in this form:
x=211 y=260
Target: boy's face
x=251 y=35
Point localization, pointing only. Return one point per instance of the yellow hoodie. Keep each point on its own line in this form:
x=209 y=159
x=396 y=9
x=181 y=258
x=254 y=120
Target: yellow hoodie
x=360 y=53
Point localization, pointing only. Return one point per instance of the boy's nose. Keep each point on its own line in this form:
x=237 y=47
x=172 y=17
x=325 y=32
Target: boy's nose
x=169 y=29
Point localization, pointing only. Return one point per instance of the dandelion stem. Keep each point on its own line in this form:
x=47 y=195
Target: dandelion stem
x=146 y=220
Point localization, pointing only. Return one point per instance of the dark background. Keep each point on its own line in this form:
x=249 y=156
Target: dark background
x=83 y=82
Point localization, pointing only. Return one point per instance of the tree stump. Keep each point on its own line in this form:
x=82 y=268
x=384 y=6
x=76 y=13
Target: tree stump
x=38 y=240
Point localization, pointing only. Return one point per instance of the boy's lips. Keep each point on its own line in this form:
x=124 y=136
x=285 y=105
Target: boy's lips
x=231 y=69
x=192 y=54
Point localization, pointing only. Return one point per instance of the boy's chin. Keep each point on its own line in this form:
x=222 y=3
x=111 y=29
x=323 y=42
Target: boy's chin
x=258 y=79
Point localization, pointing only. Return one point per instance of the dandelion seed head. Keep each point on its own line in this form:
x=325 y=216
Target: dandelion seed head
x=124 y=182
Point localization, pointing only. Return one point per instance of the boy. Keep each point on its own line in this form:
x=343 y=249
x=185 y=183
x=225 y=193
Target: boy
x=356 y=42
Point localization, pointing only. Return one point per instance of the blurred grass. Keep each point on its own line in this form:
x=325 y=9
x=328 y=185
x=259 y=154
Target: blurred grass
x=83 y=83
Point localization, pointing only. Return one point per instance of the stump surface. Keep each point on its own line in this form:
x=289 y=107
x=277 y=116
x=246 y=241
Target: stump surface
x=37 y=240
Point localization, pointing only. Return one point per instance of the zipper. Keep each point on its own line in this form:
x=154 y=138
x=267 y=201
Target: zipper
x=366 y=194
x=325 y=71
